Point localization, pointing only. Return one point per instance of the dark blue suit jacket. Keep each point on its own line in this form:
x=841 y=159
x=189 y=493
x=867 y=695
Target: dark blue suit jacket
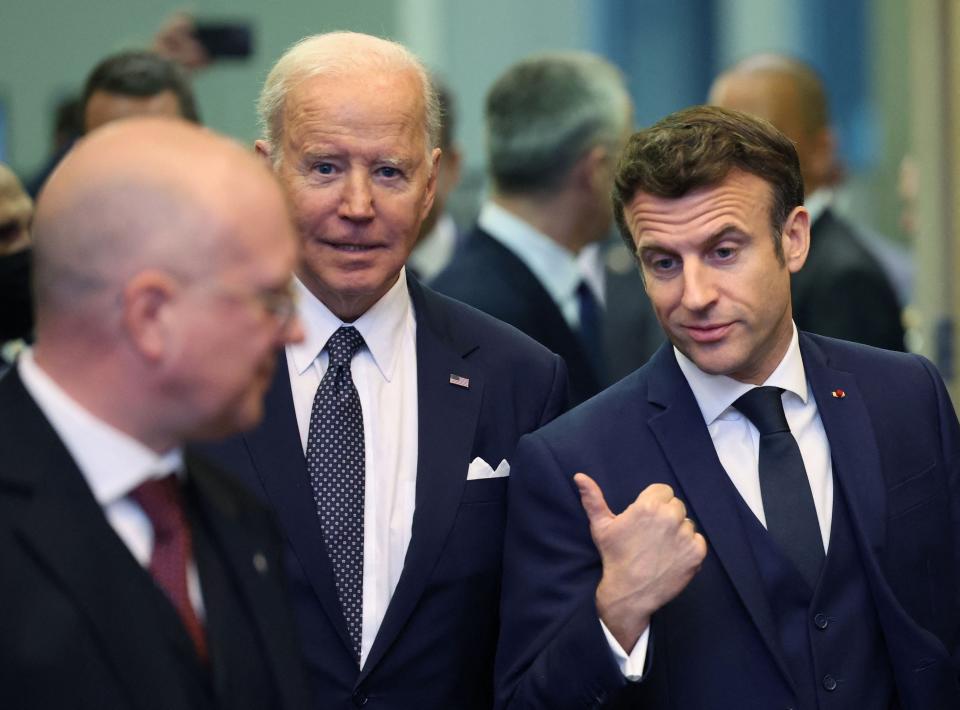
x=895 y=449
x=83 y=625
x=435 y=647
x=488 y=276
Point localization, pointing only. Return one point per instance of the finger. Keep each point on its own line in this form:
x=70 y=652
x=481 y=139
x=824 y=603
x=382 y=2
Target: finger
x=656 y=493
x=592 y=500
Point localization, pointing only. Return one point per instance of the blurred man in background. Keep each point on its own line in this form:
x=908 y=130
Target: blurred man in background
x=555 y=125
x=842 y=291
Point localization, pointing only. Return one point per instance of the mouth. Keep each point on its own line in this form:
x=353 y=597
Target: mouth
x=349 y=247
x=705 y=334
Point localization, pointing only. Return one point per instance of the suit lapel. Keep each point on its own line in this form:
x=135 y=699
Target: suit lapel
x=853 y=443
x=707 y=491
x=279 y=461
x=447 y=419
x=245 y=559
x=70 y=536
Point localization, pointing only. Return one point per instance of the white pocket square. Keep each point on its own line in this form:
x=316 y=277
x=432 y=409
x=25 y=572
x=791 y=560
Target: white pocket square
x=480 y=469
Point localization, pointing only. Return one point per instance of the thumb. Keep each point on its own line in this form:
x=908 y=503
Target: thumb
x=592 y=500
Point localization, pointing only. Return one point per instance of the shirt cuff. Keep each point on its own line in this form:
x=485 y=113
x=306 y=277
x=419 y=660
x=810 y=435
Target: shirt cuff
x=630 y=665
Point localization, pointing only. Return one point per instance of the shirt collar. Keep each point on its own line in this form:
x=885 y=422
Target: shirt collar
x=555 y=267
x=112 y=462
x=716 y=393
x=382 y=326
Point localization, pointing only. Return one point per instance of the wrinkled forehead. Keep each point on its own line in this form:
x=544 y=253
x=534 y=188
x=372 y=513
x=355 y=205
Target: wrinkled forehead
x=357 y=97
x=741 y=200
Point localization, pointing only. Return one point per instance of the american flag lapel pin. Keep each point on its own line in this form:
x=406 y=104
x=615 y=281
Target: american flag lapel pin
x=460 y=381
x=839 y=394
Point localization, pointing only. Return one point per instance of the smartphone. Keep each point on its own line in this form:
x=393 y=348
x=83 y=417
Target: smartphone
x=232 y=40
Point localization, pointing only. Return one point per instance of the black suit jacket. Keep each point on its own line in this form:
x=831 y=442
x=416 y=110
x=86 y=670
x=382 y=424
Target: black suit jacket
x=895 y=447
x=843 y=292
x=490 y=277
x=435 y=646
x=82 y=624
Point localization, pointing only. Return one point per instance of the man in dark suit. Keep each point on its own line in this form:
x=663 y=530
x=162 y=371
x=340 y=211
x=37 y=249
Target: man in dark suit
x=821 y=475
x=555 y=125
x=136 y=576
x=843 y=290
x=388 y=437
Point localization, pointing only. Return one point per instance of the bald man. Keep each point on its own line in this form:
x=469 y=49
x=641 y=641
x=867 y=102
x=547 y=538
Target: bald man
x=842 y=291
x=135 y=575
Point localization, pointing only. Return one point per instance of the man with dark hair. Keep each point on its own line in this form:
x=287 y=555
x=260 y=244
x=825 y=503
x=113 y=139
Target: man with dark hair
x=770 y=518
x=555 y=125
x=842 y=290
x=136 y=83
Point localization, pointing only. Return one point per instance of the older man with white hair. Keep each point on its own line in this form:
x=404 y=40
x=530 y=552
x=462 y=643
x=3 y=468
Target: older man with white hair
x=388 y=434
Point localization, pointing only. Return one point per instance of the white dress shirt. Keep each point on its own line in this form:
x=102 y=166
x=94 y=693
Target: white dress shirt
x=559 y=270
x=384 y=372
x=112 y=463
x=737 y=443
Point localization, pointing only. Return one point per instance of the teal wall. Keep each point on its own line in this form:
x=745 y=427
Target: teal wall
x=47 y=47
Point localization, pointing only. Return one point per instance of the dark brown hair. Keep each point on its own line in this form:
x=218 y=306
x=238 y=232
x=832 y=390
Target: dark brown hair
x=698 y=147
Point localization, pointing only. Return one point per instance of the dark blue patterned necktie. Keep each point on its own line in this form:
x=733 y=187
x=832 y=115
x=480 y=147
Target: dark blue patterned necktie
x=335 y=462
x=784 y=486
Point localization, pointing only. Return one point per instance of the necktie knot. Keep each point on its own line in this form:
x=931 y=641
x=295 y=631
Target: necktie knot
x=342 y=345
x=159 y=498
x=764 y=408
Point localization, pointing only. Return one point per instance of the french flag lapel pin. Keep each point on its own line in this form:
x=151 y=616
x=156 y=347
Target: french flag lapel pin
x=839 y=394
x=460 y=381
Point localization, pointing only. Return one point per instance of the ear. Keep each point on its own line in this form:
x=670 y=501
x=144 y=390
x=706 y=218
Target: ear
x=450 y=166
x=431 y=190
x=795 y=238
x=264 y=151
x=146 y=319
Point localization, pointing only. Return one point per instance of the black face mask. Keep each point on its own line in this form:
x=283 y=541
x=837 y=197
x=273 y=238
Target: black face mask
x=16 y=306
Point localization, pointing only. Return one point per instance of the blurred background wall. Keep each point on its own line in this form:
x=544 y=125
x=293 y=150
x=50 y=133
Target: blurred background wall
x=888 y=66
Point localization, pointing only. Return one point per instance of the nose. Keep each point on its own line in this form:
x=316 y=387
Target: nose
x=699 y=291
x=356 y=200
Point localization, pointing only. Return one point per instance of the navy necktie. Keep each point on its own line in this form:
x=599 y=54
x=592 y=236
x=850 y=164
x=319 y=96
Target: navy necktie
x=784 y=487
x=591 y=327
x=335 y=462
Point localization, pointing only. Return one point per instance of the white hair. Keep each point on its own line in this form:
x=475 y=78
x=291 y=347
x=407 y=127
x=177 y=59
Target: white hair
x=339 y=53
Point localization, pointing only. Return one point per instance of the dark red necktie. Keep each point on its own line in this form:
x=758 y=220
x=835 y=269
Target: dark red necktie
x=172 y=550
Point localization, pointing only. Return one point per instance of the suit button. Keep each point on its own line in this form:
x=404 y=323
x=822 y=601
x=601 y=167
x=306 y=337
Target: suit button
x=821 y=621
x=359 y=699
x=829 y=682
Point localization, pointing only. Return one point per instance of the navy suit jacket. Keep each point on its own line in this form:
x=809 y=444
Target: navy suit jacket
x=435 y=647
x=842 y=291
x=82 y=624
x=895 y=449
x=488 y=276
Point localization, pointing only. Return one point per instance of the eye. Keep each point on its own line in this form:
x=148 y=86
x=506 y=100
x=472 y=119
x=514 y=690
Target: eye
x=389 y=171
x=324 y=168
x=662 y=263
x=724 y=253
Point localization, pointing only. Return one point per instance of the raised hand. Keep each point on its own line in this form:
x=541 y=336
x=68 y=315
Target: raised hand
x=650 y=552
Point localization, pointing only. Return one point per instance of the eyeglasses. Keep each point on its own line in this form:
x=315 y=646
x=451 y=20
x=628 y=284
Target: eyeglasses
x=279 y=303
